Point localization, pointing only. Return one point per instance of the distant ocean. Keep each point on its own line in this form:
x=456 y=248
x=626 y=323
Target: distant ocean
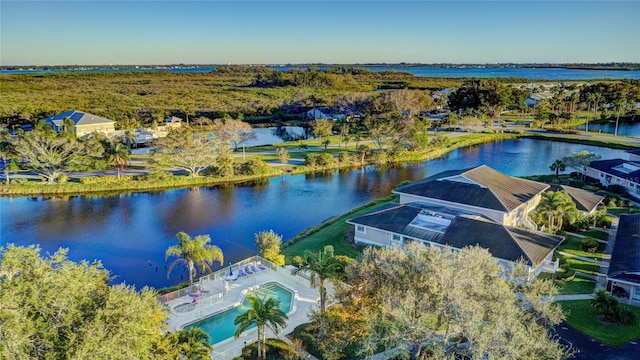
x=438 y=72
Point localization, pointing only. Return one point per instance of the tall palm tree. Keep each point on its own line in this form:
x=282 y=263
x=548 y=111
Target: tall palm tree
x=263 y=313
x=193 y=344
x=557 y=166
x=118 y=156
x=192 y=252
x=324 y=265
x=555 y=206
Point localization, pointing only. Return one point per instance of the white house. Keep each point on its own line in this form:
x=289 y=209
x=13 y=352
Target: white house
x=450 y=228
x=625 y=173
x=83 y=123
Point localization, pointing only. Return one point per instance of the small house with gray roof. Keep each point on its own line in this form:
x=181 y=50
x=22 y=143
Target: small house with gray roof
x=624 y=266
x=504 y=199
x=83 y=123
x=445 y=227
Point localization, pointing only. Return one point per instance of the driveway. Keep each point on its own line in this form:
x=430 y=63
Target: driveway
x=593 y=350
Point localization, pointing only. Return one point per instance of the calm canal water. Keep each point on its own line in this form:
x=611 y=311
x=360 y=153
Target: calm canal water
x=126 y=231
x=624 y=128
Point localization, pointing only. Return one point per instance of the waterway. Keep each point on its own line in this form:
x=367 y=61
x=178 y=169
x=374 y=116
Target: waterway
x=127 y=231
x=624 y=128
x=425 y=71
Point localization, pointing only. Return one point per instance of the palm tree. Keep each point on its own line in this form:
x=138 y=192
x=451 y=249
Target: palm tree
x=192 y=252
x=324 y=265
x=619 y=103
x=193 y=344
x=555 y=206
x=363 y=150
x=263 y=313
x=557 y=166
x=118 y=156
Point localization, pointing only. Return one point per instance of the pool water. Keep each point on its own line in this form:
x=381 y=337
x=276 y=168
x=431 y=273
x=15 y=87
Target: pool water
x=220 y=326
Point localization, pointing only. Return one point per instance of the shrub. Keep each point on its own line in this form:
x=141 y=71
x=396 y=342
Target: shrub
x=605 y=221
x=311 y=160
x=62 y=178
x=589 y=244
x=343 y=157
x=105 y=180
x=155 y=176
x=18 y=181
x=325 y=159
x=617 y=189
x=576 y=183
x=276 y=349
x=253 y=167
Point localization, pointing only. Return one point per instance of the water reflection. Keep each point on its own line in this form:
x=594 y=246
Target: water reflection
x=126 y=231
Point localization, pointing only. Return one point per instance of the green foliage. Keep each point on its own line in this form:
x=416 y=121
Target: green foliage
x=49 y=154
x=53 y=308
x=412 y=296
x=193 y=344
x=192 y=252
x=105 y=179
x=276 y=349
x=192 y=152
x=584 y=317
x=589 y=244
x=325 y=159
x=264 y=313
x=253 y=167
x=154 y=176
x=610 y=306
x=268 y=243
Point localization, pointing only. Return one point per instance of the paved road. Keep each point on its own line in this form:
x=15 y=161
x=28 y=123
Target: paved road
x=592 y=350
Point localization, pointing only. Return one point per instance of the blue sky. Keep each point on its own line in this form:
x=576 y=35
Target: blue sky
x=276 y=32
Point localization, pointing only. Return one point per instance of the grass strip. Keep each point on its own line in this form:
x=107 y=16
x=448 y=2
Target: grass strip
x=583 y=317
x=577 y=285
x=330 y=232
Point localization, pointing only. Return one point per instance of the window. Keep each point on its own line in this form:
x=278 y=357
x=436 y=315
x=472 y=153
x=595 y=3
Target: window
x=395 y=237
x=601 y=175
x=360 y=229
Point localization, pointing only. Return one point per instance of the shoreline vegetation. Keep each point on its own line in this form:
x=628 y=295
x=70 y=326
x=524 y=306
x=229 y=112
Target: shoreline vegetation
x=111 y=185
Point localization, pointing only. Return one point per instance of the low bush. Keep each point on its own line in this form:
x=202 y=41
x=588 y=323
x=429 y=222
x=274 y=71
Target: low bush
x=154 y=176
x=253 y=167
x=618 y=189
x=576 y=183
x=325 y=159
x=589 y=244
x=105 y=179
x=276 y=349
x=62 y=179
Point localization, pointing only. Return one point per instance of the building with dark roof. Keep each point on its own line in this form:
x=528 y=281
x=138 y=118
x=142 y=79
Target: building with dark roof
x=83 y=123
x=504 y=199
x=446 y=227
x=625 y=173
x=624 y=266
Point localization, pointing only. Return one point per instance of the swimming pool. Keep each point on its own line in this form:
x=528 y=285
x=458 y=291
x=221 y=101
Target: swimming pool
x=220 y=326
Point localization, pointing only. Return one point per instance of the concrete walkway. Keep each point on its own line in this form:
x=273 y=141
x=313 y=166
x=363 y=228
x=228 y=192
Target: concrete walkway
x=593 y=260
x=601 y=281
x=573 y=297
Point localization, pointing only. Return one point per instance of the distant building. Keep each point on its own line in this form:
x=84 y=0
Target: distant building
x=625 y=173
x=83 y=123
x=533 y=99
x=173 y=122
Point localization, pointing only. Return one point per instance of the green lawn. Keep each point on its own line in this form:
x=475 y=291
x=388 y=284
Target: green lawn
x=583 y=317
x=623 y=210
x=572 y=246
x=583 y=266
x=578 y=285
x=597 y=234
x=330 y=232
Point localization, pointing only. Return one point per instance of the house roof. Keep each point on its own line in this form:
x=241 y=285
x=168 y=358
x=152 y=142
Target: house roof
x=458 y=229
x=625 y=258
x=504 y=242
x=173 y=119
x=634 y=152
x=78 y=118
x=317 y=114
x=623 y=169
x=481 y=186
x=584 y=200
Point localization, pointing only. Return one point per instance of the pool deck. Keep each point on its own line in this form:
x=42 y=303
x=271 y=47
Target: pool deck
x=219 y=298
